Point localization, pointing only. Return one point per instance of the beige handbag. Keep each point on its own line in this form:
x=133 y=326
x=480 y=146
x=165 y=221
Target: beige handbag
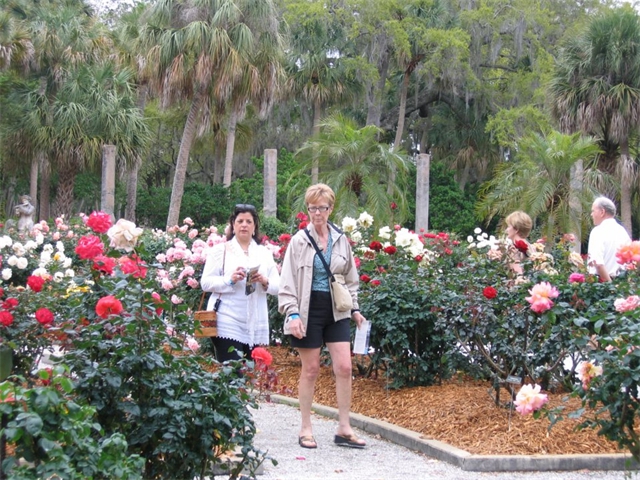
x=206 y=321
x=340 y=293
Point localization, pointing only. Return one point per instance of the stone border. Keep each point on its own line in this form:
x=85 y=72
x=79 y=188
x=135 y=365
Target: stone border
x=468 y=461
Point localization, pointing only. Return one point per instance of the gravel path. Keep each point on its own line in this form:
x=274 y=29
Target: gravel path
x=278 y=425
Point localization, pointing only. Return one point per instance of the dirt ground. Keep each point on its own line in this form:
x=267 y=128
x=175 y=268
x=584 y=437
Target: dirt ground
x=460 y=412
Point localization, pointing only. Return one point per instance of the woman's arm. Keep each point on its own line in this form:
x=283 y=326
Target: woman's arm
x=213 y=278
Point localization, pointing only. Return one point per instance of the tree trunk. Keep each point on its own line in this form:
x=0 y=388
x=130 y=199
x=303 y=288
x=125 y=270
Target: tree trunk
x=188 y=135
x=317 y=115
x=575 y=182
x=64 y=196
x=231 y=141
x=375 y=106
x=134 y=169
x=45 y=189
x=400 y=127
x=626 y=176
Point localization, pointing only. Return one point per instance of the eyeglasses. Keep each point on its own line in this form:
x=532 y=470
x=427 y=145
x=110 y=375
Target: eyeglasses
x=244 y=207
x=318 y=209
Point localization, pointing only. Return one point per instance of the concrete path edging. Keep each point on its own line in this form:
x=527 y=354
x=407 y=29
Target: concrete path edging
x=468 y=461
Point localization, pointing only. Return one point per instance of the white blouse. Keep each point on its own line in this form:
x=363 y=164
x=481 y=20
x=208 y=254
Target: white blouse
x=243 y=318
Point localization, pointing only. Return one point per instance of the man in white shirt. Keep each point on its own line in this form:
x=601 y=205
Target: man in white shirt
x=605 y=239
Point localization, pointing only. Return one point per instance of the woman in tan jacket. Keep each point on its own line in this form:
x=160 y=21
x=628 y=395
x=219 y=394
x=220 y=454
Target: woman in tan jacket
x=311 y=318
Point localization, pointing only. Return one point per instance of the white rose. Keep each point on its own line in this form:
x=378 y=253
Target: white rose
x=30 y=245
x=385 y=233
x=22 y=263
x=470 y=239
x=6 y=273
x=19 y=249
x=67 y=262
x=477 y=230
x=39 y=238
x=365 y=220
x=60 y=246
x=58 y=276
x=356 y=236
x=45 y=258
x=12 y=260
x=349 y=224
x=124 y=235
x=69 y=273
x=5 y=241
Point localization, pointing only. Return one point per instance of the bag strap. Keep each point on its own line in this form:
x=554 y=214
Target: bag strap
x=324 y=262
x=215 y=309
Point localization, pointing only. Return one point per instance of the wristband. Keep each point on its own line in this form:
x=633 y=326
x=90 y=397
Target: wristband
x=294 y=316
x=231 y=283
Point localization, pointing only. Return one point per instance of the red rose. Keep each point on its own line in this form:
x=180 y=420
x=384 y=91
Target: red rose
x=375 y=246
x=302 y=217
x=430 y=235
x=284 y=238
x=157 y=299
x=357 y=262
x=108 y=305
x=46 y=374
x=418 y=258
x=89 y=247
x=448 y=251
x=35 y=283
x=99 y=222
x=1 y=292
x=390 y=250
x=375 y=283
x=133 y=266
x=303 y=225
x=10 y=303
x=104 y=264
x=365 y=278
x=6 y=318
x=521 y=245
x=44 y=316
x=394 y=205
x=261 y=356
x=490 y=292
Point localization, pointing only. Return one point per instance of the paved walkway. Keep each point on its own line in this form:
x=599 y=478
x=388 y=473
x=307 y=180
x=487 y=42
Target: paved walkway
x=278 y=424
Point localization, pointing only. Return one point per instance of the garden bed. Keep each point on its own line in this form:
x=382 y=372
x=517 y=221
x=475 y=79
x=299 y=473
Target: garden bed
x=459 y=412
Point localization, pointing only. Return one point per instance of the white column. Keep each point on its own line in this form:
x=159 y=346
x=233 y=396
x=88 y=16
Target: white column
x=270 y=182
x=423 y=164
x=108 y=192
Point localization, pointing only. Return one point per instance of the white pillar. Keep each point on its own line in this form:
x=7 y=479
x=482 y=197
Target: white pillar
x=270 y=182
x=423 y=164
x=108 y=192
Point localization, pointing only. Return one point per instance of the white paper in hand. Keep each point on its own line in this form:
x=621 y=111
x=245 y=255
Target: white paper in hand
x=361 y=342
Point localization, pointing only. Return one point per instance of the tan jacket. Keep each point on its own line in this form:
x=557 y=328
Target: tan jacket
x=297 y=274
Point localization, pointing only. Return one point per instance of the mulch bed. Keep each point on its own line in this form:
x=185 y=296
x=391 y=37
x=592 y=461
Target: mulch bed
x=458 y=412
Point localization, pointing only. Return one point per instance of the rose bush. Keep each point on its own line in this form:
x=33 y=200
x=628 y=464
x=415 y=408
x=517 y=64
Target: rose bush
x=120 y=313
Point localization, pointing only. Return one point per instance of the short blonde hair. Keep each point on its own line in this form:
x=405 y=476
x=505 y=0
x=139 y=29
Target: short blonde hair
x=521 y=222
x=318 y=192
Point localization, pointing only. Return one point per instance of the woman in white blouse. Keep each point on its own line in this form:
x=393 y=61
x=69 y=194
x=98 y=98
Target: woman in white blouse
x=243 y=314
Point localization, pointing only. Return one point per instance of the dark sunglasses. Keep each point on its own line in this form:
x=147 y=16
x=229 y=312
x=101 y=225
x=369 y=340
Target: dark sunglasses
x=244 y=207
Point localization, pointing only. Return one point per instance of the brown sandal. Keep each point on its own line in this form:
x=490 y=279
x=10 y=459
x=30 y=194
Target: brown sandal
x=307 y=441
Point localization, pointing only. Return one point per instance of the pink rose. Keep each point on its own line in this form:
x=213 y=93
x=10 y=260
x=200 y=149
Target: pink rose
x=576 y=278
x=541 y=295
x=529 y=399
x=627 y=304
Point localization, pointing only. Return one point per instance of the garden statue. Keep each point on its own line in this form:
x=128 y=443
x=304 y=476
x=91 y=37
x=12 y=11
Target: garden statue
x=25 y=213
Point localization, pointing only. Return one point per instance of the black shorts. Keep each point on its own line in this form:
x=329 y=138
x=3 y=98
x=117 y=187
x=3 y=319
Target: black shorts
x=321 y=327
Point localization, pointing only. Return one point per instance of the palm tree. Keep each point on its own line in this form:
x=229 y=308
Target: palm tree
x=357 y=168
x=596 y=90
x=538 y=182
x=197 y=50
x=316 y=70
